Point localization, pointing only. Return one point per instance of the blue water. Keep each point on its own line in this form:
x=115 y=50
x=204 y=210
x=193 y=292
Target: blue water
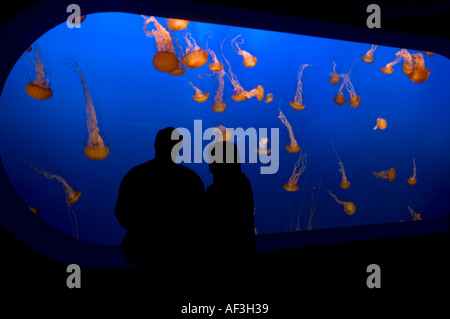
x=134 y=101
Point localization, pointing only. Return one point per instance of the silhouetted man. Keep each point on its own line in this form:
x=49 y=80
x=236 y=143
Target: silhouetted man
x=160 y=204
x=229 y=205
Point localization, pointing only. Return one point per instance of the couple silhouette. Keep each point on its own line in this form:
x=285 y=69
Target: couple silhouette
x=171 y=220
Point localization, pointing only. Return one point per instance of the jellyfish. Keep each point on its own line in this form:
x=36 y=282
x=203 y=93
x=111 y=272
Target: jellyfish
x=262 y=149
x=164 y=59
x=412 y=180
x=177 y=24
x=334 y=77
x=199 y=96
x=239 y=92
x=214 y=66
x=429 y=53
x=221 y=133
x=34 y=210
x=299 y=168
x=388 y=68
x=249 y=60
x=40 y=87
x=96 y=148
x=339 y=99
x=81 y=19
x=381 y=124
x=269 y=98
x=72 y=196
x=414 y=215
x=258 y=92
x=195 y=56
x=219 y=105
x=349 y=207
x=368 y=57
x=420 y=73
x=297 y=104
x=344 y=183
x=390 y=174
x=293 y=147
x=407 y=65
x=355 y=100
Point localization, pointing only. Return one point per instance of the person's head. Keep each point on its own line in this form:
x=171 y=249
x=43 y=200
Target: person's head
x=165 y=140
x=224 y=159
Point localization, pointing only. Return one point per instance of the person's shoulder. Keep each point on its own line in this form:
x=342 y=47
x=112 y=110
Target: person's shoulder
x=188 y=172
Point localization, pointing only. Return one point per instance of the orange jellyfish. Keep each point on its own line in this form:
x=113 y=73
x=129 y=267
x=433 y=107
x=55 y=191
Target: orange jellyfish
x=368 y=57
x=339 y=99
x=164 y=59
x=214 y=66
x=412 y=180
x=344 y=183
x=239 y=92
x=381 y=124
x=388 y=68
x=34 y=210
x=414 y=215
x=390 y=174
x=293 y=147
x=349 y=207
x=72 y=196
x=429 y=53
x=81 y=19
x=258 y=92
x=199 y=96
x=262 y=149
x=177 y=24
x=219 y=105
x=96 y=148
x=249 y=60
x=39 y=88
x=299 y=168
x=334 y=77
x=297 y=104
x=269 y=98
x=420 y=73
x=195 y=56
x=221 y=133
x=355 y=99
x=407 y=65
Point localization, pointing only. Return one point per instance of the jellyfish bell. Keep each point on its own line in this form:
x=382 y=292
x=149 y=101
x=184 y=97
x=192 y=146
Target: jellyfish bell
x=290 y=187
x=33 y=210
x=381 y=124
x=216 y=66
x=339 y=99
x=429 y=53
x=38 y=92
x=293 y=148
x=297 y=106
x=334 y=79
x=345 y=184
x=195 y=59
x=387 y=69
x=368 y=58
x=391 y=174
x=412 y=181
x=349 y=208
x=249 y=61
x=269 y=98
x=96 y=152
x=219 y=107
x=165 y=61
x=73 y=198
x=354 y=101
x=177 y=24
x=259 y=92
x=419 y=74
x=200 y=97
x=74 y=20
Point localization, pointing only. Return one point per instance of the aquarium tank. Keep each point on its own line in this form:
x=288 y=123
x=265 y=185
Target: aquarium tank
x=331 y=133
